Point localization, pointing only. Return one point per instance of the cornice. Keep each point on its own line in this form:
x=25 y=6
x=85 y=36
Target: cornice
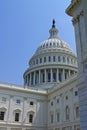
x=64 y=84
x=76 y=19
x=16 y=88
x=51 y=52
x=72 y=6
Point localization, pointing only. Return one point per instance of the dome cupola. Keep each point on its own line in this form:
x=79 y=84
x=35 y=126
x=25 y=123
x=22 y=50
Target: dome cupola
x=53 y=31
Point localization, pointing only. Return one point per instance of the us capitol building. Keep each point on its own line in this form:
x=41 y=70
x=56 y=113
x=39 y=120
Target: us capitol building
x=49 y=99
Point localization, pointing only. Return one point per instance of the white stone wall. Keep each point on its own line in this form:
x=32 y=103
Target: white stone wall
x=46 y=102
x=78 y=10
x=64 y=96
x=39 y=109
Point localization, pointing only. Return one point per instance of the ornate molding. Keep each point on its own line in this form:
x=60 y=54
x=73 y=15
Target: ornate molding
x=72 y=6
x=76 y=19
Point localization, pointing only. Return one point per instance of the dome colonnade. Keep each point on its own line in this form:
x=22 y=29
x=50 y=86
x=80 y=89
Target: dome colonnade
x=53 y=62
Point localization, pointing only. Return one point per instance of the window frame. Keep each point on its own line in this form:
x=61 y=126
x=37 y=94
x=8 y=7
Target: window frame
x=2 y=115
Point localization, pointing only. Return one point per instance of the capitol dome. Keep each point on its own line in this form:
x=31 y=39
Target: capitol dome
x=53 y=62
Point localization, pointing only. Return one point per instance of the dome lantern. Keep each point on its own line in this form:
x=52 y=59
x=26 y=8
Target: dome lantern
x=53 y=31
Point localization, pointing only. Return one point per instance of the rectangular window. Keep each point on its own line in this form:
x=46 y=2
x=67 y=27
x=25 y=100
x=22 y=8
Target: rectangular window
x=49 y=58
x=77 y=112
x=40 y=60
x=59 y=58
x=51 y=118
x=67 y=113
x=17 y=117
x=54 y=58
x=3 y=99
x=18 y=101
x=58 y=116
x=76 y=93
x=57 y=100
x=2 y=115
x=51 y=103
x=31 y=103
x=44 y=59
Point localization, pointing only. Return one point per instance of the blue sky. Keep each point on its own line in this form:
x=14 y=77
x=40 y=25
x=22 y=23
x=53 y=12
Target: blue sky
x=24 y=24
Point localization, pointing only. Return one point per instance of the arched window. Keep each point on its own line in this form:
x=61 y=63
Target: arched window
x=67 y=113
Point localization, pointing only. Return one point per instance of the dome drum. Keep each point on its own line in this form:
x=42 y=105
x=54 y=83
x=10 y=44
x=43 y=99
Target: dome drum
x=48 y=75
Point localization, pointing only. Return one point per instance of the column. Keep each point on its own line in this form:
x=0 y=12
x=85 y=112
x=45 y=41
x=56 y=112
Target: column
x=39 y=76
x=63 y=75
x=57 y=75
x=72 y=127
x=30 y=78
x=24 y=110
x=51 y=76
x=45 y=76
x=10 y=110
x=74 y=72
x=69 y=73
x=27 y=80
x=34 y=78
